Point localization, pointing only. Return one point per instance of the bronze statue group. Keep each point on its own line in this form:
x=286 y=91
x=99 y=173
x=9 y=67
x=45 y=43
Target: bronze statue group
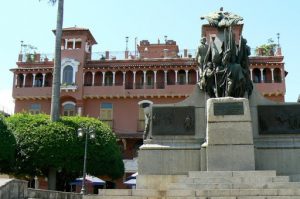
x=224 y=63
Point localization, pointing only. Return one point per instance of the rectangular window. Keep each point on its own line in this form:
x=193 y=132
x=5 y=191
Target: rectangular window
x=70 y=45
x=35 y=109
x=77 y=44
x=106 y=113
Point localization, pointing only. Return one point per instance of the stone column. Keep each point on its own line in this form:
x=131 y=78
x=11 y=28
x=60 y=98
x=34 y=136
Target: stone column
x=134 y=75
x=24 y=80
x=251 y=75
x=176 y=76
x=44 y=77
x=166 y=77
x=262 y=75
x=83 y=75
x=16 y=80
x=74 y=43
x=155 y=72
x=197 y=75
x=144 y=79
x=36 y=182
x=124 y=76
x=114 y=78
x=93 y=79
x=79 y=111
x=186 y=76
x=282 y=74
x=103 y=78
x=66 y=43
x=33 y=80
x=272 y=73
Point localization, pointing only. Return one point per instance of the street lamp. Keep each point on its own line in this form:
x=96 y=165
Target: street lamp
x=87 y=131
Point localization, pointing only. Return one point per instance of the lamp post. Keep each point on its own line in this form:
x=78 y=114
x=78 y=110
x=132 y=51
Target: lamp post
x=87 y=131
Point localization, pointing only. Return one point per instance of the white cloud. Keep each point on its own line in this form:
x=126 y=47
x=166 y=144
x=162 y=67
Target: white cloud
x=7 y=103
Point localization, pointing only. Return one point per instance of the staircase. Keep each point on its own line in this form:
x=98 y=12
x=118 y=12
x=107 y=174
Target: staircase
x=216 y=185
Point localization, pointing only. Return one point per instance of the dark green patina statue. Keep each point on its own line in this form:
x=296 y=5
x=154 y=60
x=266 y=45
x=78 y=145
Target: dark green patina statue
x=224 y=63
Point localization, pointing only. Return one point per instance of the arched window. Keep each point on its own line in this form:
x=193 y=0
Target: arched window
x=108 y=79
x=181 y=77
x=69 y=67
x=150 y=79
x=68 y=75
x=171 y=77
x=69 y=109
x=88 y=79
x=267 y=76
x=160 y=79
x=277 y=75
x=256 y=75
x=38 y=80
x=129 y=80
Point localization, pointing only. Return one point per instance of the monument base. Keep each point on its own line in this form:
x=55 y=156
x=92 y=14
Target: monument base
x=171 y=159
x=229 y=145
x=228 y=158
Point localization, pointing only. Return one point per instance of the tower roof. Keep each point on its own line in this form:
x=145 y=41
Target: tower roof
x=79 y=29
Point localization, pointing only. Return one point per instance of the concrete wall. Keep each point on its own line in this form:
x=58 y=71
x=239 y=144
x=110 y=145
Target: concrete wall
x=13 y=189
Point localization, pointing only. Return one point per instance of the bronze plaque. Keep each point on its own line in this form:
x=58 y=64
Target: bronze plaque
x=173 y=120
x=229 y=108
x=279 y=119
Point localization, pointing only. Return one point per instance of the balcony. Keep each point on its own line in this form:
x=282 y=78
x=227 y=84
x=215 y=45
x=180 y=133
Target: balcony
x=128 y=91
x=32 y=92
x=266 y=88
x=68 y=88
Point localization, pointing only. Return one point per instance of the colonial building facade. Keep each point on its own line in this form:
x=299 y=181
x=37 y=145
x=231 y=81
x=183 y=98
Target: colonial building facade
x=116 y=90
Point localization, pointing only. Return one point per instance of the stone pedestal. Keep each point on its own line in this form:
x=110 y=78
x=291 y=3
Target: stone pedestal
x=229 y=139
x=168 y=159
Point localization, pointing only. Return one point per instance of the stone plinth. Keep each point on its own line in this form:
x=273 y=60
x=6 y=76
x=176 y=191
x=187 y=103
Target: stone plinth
x=229 y=137
x=168 y=159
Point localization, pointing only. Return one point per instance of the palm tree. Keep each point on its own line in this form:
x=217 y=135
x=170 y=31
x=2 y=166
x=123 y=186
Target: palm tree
x=55 y=99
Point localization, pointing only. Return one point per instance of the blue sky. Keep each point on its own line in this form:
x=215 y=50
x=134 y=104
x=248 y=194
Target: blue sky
x=110 y=21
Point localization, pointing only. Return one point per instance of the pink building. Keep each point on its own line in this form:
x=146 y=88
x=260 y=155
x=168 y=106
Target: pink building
x=116 y=90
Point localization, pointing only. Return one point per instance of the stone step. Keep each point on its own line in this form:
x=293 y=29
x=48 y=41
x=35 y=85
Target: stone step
x=229 y=185
x=267 y=193
x=217 y=174
x=284 y=185
x=248 y=192
x=241 y=180
x=193 y=197
x=187 y=186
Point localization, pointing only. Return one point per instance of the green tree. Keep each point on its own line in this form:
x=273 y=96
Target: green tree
x=267 y=49
x=7 y=147
x=43 y=144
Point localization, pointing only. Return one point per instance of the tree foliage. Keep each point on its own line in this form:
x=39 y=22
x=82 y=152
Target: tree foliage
x=7 y=147
x=43 y=144
x=267 y=49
